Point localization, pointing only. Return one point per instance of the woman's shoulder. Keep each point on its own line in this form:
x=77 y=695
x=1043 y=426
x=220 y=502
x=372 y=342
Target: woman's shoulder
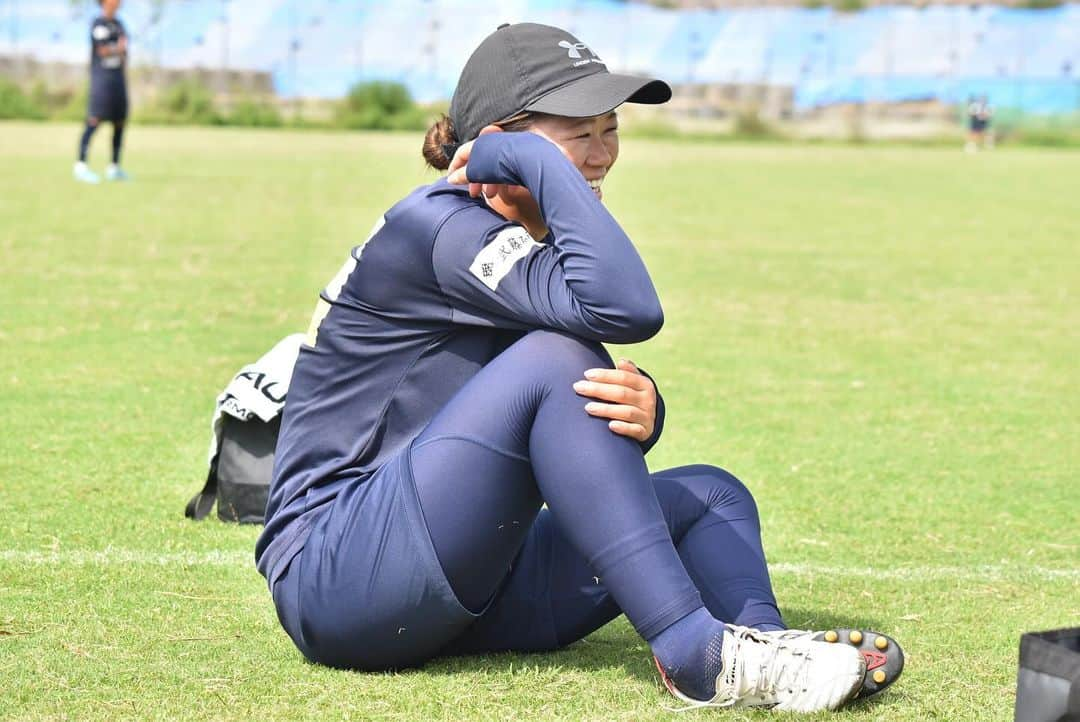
x=424 y=212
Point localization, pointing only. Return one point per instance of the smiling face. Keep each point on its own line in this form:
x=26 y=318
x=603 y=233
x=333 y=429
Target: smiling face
x=591 y=144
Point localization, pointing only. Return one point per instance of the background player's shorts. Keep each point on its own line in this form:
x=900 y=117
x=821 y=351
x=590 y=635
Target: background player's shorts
x=367 y=591
x=108 y=103
x=978 y=125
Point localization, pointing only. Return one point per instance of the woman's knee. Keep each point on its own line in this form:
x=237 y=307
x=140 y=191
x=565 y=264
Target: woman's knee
x=562 y=355
x=720 y=488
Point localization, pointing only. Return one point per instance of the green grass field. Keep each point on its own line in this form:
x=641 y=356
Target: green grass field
x=882 y=342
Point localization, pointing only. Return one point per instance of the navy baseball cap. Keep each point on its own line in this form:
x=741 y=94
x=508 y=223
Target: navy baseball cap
x=527 y=67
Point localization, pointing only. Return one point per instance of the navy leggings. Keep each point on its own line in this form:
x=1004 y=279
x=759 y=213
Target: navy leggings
x=612 y=538
x=516 y=521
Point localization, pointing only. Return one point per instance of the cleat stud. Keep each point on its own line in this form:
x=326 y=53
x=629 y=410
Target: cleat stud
x=831 y=636
x=879 y=676
x=855 y=636
x=881 y=643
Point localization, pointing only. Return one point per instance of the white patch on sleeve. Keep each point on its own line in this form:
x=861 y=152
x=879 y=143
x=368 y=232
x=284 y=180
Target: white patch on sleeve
x=496 y=259
x=101 y=32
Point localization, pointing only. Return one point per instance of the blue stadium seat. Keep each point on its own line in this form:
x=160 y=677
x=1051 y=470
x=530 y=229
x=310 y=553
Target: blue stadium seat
x=1024 y=58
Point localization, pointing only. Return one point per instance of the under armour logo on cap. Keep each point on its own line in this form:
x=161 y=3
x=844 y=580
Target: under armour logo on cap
x=573 y=50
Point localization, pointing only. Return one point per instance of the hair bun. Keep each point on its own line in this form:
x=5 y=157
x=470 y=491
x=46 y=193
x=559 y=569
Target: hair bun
x=440 y=143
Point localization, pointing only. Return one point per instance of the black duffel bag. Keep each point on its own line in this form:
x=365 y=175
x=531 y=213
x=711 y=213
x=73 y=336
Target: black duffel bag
x=239 y=476
x=1048 y=683
x=244 y=432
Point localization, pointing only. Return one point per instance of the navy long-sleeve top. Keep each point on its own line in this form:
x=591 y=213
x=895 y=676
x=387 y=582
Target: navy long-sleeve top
x=442 y=286
x=106 y=71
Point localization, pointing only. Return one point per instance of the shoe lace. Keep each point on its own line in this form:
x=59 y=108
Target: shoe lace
x=789 y=634
x=774 y=660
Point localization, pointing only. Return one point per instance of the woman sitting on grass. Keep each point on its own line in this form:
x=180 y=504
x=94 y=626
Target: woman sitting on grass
x=454 y=383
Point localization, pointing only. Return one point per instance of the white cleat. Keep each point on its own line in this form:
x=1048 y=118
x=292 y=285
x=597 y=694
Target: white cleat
x=82 y=173
x=116 y=174
x=782 y=670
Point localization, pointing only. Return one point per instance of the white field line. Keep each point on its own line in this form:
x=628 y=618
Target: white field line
x=975 y=572
x=245 y=558
x=112 y=556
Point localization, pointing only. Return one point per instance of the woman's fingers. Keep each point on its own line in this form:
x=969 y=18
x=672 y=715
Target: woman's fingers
x=619 y=412
x=637 y=432
x=455 y=173
x=621 y=377
x=616 y=385
x=630 y=397
x=457 y=177
x=456 y=170
x=615 y=393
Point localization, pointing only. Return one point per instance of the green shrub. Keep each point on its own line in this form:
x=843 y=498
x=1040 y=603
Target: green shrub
x=750 y=125
x=657 y=128
x=72 y=104
x=187 y=102
x=63 y=103
x=1047 y=135
x=252 y=112
x=379 y=105
x=14 y=103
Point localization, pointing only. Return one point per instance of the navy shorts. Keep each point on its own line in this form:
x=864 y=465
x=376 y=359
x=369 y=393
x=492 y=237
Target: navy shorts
x=108 y=103
x=367 y=591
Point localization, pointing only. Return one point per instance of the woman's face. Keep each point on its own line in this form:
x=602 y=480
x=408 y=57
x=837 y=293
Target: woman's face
x=110 y=6
x=591 y=144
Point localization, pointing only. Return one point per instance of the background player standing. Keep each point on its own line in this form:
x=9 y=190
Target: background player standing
x=108 y=90
x=979 y=115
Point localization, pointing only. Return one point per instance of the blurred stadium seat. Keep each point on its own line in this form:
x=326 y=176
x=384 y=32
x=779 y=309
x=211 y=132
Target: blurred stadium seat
x=1026 y=59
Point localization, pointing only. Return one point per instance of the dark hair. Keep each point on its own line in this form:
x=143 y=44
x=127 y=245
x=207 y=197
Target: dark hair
x=439 y=138
x=440 y=142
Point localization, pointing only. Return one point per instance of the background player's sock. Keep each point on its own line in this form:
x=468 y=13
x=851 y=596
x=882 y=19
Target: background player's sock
x=84 y=141
x=117 y=142
x=689 y=652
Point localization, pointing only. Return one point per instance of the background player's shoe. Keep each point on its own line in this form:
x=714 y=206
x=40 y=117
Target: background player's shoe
x=795 y=673
x=884 y=657
x=116 y=173
x=83 y=174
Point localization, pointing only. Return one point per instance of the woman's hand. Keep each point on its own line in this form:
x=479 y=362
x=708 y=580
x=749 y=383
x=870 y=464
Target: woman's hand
x=630 y=397
x=456 y=172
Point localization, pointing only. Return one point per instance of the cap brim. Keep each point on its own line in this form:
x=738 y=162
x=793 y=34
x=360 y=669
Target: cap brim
x=600 y=93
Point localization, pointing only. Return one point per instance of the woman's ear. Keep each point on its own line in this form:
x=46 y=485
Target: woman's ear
x=490 y=129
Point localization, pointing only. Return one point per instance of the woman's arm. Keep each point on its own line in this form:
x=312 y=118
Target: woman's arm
x=588 y=280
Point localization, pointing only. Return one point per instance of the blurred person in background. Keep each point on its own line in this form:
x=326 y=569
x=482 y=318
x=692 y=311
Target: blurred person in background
x=108 y=90
x=979 y=113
